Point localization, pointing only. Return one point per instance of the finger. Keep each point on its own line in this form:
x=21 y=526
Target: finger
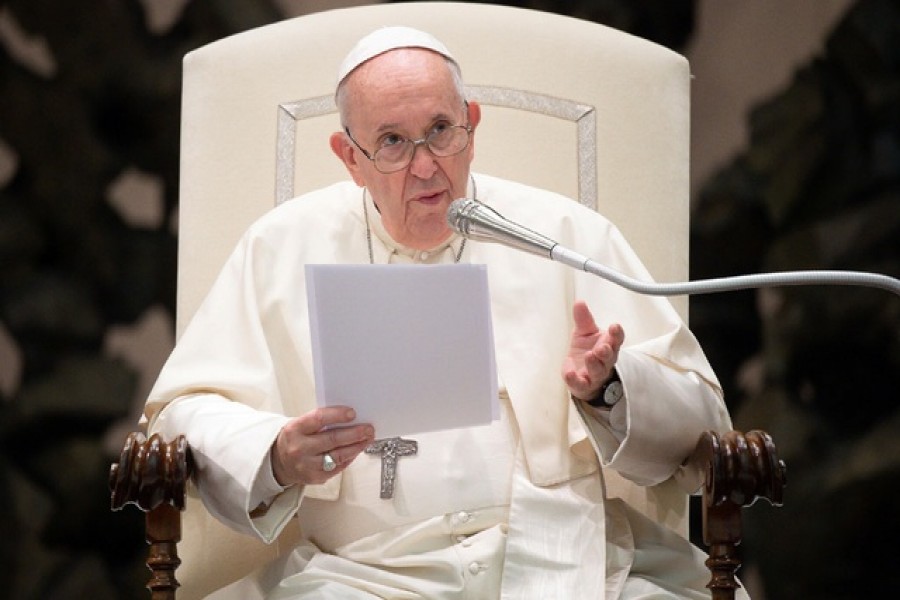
x=617 y=336
x=598 y=364
x=575 y=382
x=297 y=454
x=595 y=373
x=322 y=417
x=601 y=356
x=580 y=389
x=345 y=455
x=313 y=470
x=584 y=320
x=591 y=365
x=309 y=467
x=338 y=437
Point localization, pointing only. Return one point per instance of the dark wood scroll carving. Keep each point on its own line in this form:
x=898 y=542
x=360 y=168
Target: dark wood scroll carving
x=152 y=475
x=740 y=469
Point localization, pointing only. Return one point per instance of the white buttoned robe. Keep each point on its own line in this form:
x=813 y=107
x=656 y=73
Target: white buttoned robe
x=547 y=502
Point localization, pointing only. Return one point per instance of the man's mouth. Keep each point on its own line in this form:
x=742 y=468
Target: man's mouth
x=430 y=198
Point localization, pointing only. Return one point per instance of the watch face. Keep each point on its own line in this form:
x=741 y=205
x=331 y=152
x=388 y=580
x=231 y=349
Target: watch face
x=613 y=393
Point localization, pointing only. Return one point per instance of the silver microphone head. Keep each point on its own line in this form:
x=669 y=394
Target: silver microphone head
x=477 y=221
x=459 y=214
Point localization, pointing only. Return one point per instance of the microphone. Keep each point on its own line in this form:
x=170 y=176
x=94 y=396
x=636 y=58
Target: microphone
x=475 y=220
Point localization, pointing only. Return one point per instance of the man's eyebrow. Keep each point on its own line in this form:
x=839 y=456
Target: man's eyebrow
x=387 y=127
x=384 y=127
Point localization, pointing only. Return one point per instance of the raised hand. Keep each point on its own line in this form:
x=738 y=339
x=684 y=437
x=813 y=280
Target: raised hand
x=593 y=353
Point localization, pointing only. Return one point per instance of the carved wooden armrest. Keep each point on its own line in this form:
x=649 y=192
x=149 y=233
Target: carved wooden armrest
x=152 y=475
x=740 y=469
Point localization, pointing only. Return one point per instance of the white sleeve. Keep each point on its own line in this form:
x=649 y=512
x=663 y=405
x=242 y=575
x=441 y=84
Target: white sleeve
x=265 y=487
x=614 y=418
x=666 y=410
x=673 y=395
x=230 y=445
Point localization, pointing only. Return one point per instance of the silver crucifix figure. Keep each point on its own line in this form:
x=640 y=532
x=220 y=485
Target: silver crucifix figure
x=390 y=450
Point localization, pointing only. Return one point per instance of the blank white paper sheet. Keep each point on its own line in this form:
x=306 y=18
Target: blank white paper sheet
x=410 y=347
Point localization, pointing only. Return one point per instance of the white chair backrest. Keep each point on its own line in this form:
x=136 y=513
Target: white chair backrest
x=568 y=105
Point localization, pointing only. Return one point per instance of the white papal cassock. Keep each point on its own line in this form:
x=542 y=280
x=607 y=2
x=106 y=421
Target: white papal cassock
x=551 y=501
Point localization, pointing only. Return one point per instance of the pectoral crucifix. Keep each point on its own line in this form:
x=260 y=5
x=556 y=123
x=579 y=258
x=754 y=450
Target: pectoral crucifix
x=391 y=449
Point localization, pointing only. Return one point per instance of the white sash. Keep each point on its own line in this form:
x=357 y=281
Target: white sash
x=556 y=544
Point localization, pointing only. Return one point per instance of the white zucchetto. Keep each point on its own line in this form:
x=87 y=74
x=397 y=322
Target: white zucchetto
x=389 y=38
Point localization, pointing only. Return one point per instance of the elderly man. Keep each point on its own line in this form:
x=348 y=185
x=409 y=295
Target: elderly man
x=538 y=504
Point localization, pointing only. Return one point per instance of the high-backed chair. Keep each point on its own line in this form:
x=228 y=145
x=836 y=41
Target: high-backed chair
x=568 y=105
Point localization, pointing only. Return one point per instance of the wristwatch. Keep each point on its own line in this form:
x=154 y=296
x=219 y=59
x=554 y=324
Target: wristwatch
x=610 y=392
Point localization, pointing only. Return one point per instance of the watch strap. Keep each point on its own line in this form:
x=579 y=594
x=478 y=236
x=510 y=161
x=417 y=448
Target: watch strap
x=600 y=400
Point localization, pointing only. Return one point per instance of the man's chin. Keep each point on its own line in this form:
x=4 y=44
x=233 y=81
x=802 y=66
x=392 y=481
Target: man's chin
x=426 y=240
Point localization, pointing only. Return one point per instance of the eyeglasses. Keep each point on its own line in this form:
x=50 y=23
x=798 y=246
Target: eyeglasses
x=396 y=152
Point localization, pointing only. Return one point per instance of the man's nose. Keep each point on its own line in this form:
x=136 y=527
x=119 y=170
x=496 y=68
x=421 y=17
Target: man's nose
x=422 y=164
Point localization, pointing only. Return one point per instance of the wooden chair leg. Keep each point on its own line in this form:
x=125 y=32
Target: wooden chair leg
x=740 y=469
x=163 y=535
x=153 y=475
x=722 y=533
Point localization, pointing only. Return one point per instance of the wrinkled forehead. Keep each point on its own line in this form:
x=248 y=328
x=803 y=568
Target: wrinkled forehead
x=386 y=39
x=404 y=89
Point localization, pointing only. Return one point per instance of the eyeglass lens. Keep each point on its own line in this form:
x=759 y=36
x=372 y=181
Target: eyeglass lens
x=442 y=142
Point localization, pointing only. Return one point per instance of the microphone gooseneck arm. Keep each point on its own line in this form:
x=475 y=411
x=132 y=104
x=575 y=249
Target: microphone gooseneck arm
x=477 y=221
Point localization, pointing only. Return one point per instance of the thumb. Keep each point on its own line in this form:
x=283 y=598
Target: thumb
x=584 y=320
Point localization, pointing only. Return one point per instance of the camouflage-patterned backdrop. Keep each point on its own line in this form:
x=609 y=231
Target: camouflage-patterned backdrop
x=89 y=110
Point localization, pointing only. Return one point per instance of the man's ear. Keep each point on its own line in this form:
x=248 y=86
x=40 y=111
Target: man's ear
x=474 y=114
x=344 y=150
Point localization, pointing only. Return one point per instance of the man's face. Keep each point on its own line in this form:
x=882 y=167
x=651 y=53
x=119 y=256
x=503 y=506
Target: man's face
x=407 y=93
